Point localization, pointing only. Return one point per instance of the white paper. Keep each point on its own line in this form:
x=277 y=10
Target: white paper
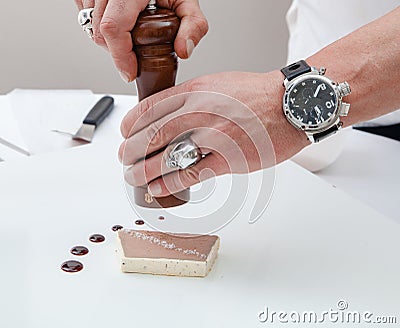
x=9 y=131
x=38 y=112
x=8 y=154
x=9 y=128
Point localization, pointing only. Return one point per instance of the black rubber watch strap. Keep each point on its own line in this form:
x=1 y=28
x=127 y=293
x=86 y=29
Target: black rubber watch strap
x=296 y=69
x=327 y=133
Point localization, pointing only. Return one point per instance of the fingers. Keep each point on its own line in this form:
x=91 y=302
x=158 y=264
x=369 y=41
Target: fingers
x=149 y=169
x=114 y=19
x=79 y=4
x=118 y=20
x=160 y=133
x=210 y=166
x=97 y=16
x=87 y=3
x=193 y=28
x=154 y=137
x=98 y=10
x=152 y=109
x=191 y=31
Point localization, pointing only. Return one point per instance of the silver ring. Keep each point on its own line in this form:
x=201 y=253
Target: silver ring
x=182 y=154
x=85 y=21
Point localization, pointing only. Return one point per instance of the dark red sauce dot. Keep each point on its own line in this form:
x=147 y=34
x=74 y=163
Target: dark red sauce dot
x=161 y=218
x=117 y=227
x=97 y=238
x=72 y=266
x=139 y=222
x=79 y=250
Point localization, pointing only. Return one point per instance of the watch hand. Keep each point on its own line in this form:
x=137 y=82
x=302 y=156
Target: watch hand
x=307 y=99
x=317 y=91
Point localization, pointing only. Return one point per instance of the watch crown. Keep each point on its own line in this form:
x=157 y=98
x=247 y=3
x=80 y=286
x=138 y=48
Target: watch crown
x=344 y=109
x=344 y=89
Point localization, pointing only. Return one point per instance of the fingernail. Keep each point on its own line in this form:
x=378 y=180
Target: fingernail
x=120 y=156
x=121 y=152
x=189 y=47
x=125 y=77
x=154 y=189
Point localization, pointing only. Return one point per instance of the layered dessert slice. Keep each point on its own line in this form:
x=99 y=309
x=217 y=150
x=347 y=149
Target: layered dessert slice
x=166 y=254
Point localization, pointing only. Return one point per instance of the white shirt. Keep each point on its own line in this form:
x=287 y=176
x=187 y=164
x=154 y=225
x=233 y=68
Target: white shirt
x=313 y=24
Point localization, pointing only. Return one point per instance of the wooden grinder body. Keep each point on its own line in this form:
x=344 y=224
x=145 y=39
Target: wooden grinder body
x=153 y=42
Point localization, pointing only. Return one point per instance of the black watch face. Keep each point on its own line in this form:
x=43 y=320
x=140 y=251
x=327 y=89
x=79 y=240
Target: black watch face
x=312 y=102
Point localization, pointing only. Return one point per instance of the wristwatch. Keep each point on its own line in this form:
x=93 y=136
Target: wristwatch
x=312 y=102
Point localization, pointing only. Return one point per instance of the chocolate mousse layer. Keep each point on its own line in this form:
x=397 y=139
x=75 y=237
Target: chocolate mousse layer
x=168 y=254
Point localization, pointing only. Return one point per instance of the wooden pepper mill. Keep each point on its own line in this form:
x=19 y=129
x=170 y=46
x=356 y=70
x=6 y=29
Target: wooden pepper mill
x=153 y=42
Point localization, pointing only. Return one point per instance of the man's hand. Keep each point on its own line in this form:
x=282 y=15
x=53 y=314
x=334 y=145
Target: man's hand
x=236 y=119
x=369 y=61
x=114 y=19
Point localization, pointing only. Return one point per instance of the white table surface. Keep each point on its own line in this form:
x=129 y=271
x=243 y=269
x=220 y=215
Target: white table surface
x=368 y=169
x=314 y=246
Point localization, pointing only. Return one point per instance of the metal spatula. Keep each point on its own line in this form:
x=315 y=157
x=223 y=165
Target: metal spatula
x=92 y=120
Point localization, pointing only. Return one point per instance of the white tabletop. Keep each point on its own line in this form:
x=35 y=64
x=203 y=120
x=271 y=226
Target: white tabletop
x=313 y=246
x=368 y=169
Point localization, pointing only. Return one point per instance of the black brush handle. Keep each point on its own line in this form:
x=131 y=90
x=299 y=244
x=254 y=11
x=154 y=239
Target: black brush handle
x=100 y=111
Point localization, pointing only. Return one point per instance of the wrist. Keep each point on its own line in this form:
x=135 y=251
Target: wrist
x=286 y=139
x=339 y=71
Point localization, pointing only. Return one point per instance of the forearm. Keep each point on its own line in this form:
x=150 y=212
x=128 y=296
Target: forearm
x=369 y=59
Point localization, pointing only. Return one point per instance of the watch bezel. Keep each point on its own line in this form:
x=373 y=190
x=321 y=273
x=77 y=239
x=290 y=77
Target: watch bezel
x=316 y=127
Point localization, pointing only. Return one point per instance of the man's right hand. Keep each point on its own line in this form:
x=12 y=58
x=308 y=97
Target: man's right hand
x=114 y=19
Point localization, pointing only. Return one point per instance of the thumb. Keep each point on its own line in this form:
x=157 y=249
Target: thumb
x=193 y=28
x=191 y=31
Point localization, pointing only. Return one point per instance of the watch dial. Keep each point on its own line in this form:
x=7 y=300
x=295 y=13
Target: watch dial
x=312 y=102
